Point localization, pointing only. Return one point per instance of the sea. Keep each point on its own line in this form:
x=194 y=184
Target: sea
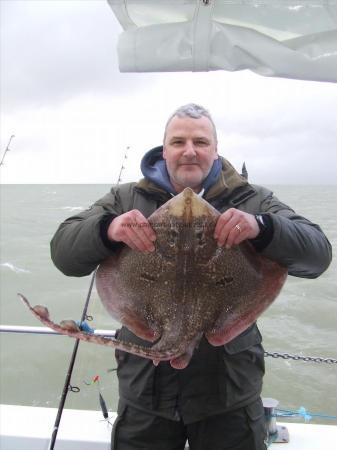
x=302 y=321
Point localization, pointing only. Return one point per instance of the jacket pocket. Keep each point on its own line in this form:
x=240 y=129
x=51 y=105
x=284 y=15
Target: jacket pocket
x=243 y=367
x=244 y=341
x=135 y=374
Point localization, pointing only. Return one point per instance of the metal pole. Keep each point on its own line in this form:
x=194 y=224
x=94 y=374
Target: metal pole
x=21 y=329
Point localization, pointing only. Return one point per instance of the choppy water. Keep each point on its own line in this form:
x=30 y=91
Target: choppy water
x=303 y=320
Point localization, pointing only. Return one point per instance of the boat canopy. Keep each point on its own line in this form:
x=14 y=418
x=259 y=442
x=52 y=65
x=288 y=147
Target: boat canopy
x=280 y=38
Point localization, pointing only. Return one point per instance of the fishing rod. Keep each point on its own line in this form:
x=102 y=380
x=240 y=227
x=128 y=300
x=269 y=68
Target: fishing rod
x=67 y=385
x=122 y=167
x=6 y=150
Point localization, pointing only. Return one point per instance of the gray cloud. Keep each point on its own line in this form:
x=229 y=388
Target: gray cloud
x=285 y=132
x=64 y=98
x=55 y=50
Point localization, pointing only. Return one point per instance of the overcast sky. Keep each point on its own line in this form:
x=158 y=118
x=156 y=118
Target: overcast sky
x=73 y=114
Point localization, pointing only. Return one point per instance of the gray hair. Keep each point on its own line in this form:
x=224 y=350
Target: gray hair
x=195 y=112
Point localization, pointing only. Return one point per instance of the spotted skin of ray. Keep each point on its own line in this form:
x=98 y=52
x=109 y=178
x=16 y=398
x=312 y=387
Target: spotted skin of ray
x=188 y=287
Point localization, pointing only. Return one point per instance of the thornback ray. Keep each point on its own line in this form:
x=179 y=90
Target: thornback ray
x=188 y=287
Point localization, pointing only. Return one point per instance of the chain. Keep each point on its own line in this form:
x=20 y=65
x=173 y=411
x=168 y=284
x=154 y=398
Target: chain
x=317 y=359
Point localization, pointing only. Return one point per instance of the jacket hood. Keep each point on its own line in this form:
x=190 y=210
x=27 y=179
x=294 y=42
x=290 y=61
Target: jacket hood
x=153 y=167
x=221 y=182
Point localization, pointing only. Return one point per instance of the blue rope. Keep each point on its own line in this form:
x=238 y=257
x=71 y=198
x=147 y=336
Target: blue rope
x=84 y=326
x=301 y=412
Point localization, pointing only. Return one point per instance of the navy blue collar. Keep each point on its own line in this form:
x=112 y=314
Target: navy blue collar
x=153 y=167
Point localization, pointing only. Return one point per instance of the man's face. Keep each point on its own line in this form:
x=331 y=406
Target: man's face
x=189 y=151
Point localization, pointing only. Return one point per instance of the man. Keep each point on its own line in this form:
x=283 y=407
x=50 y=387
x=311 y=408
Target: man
x=215 y=401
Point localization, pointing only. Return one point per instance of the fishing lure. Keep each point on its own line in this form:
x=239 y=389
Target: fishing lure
x=104 y=408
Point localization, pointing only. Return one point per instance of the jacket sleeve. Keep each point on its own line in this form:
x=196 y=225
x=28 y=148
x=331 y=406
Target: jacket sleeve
x=297 y=243
x=77 y=247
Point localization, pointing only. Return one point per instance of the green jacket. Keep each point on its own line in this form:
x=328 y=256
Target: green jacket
x=217 y=379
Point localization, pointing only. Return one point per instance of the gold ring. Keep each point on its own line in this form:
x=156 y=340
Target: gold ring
x=238 y=228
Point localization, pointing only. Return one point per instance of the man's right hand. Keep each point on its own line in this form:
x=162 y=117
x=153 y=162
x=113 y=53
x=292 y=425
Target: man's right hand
x=134 y=230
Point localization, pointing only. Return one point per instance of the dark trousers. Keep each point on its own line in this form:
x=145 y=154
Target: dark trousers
x=242 y=429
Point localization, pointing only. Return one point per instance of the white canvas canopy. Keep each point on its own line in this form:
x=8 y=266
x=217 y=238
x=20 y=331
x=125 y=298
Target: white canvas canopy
x=283 y=38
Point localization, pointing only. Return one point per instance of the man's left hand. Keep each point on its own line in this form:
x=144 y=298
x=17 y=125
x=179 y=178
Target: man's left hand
x=235 y=226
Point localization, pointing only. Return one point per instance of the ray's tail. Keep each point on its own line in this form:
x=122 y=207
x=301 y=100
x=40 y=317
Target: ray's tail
x=71 y=329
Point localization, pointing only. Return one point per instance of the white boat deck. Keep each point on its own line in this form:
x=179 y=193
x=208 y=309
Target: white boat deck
x=31 y=427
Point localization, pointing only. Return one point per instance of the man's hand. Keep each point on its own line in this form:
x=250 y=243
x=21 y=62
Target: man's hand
x=234 y=226
x=134 y=230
